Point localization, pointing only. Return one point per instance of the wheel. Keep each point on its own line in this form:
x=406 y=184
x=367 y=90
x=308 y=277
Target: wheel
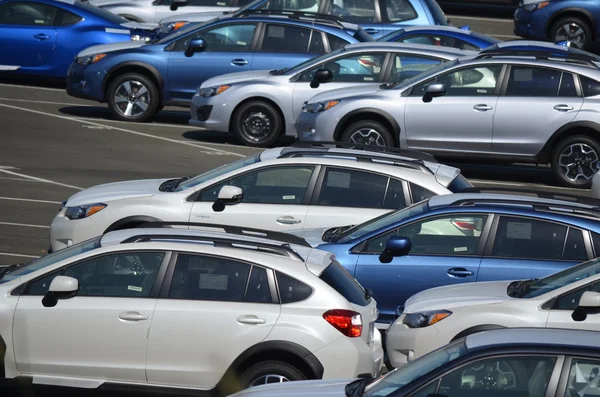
x=257 y=124
x=270 y=372
x=132 y=97
x=368 y=132
x=575 y=161
x=575 y=31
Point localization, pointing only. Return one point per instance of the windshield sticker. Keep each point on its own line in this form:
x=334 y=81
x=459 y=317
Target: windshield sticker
x=518 y=230
x=291 y=197
x=460 y=249
x=134 y=288
x=213 y=281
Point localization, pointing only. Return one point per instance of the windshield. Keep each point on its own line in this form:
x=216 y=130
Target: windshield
x=316 y=61
x=102 y=13
x=395 y=380
x=53 y=258
x=426 y=74
x=222 y=170
x=382 y=221
x=562 y=278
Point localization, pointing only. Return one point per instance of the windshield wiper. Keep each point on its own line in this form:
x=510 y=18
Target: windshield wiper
x=517 y=289
x=172 y=184
x=331 y=235
x=278 y=72
x=388 y=86
x=357 y=387
x=7 y=269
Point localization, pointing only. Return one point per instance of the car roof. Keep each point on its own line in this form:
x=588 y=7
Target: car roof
x=550 y=337
x=459 y=198
x=418 y=48
x=299 y=18
x=440 y=28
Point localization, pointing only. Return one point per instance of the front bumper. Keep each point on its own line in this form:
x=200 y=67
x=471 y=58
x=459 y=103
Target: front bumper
x=65 y=232
x=316 y=126
x=210 y=113
x=83 y=82
x=531 y=24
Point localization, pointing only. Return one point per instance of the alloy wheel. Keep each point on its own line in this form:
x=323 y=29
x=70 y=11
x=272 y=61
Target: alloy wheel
x=268 y=379
x=572 y=33
x=367 y=136
x=578 y=162
x=132 y=98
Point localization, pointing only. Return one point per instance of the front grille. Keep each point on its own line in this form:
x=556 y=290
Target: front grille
x=203 y=112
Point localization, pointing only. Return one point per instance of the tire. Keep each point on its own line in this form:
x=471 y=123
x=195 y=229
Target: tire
x=133 y=105
x=159 y=109
x=558 y=32
x=254 y=375
x=368 y=132
x=581 y=150
x=264 y=118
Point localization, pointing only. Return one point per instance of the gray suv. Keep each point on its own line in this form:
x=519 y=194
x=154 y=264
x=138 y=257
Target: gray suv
x=514 y=102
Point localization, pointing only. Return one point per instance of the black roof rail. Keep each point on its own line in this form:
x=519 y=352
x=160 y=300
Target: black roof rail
x=538 y=193
x=319 y=18
x=540 y=55
x=237 y=230
x=414 y=154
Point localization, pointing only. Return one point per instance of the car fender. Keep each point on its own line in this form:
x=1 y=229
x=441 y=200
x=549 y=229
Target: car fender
x=272 y=92
x=576 y=125
x=129 y=64
x=558 y=13
x=380 y=112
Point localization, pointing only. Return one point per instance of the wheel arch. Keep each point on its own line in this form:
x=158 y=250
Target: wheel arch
x=2 y=358
x=587 y=128
x=368 y=114
x=134 y=67
x=572 y=12
x=477 y=328
x=258 y=98
x=136 y=219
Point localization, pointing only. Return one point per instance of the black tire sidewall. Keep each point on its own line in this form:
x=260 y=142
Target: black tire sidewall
x=271 y=368
x=387 y=135
x=564 y=20
x=555 y=159
x=154 y=97
x=272 y=114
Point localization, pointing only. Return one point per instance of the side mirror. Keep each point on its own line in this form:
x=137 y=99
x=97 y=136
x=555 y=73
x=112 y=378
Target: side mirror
x=228 y=195
x=175 y=4
x=196 y=45
x=589 y=303
x=61 y=287
x=321 y=76
x=395 y=246
x=433 y=91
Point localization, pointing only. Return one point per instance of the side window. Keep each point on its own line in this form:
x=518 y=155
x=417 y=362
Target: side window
x=505 y=376
x=276 y=185
x=292 y=290
x=394 y=197
x=126 y=274
x=407 y=66
x=198 y=277
x=533 y=81
x=567 y=86
x=30 y=14
x=445 y=235
x=584 y=377
x=570 y=300
x=358 y=11
x=280 y=38
x=356 y=68
x=377 y=244
x=335 y=42
x=352 y=188
x=229 y=38
x=66 y=18
x=399 y=10
x=317 y=43
x=208 y=3
x=590 y=87
x=470 y=81
x=292 y=5
x=575 y=247
x=442 y=41
x=419 y=193
x=41 y=285
x=258 y=287
x=529 y=238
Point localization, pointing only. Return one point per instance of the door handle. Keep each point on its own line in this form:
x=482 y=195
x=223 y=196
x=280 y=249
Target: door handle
x=42 y=36
x=288 y=220
x=459 y=272
x=239 y=62
x=563 y=108
x=132 y=316
x=371 y=31
x=482 y=107
x=250 y=319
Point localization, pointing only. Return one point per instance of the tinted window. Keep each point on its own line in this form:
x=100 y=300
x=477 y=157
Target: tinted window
x=280 y=38
x=229 y=38
x=338 y=278
x=419 y=193
x=100 y=12
x=352 y=188
x=590 y=87
x=317 y=44
x=292 y=5
x=471 y=81
x=359 y=10
x=574 y=247
x=583 y=378
x=208 y=278
x=335 y=43
x=459 y=183
x=126 y=274
x=406 y=66
x=570 y=301
x=200 y=3
x=437 y=12
x=394 y=197
x=66 y=18
x=41 y=285
x=356 y=68
x=596 y=242
x=399 y=10
x=292 y=290
x=438 y=40
x=377 y=244
x=280 y=185
x=258 y=287
x=532 y=81
x=528 y=238
x=31 y=14
x=567 y=86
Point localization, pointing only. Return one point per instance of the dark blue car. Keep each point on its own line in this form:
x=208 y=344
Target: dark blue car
x=41 y=37
x=573 y=21
x=445 y=36
x=459 y=238
x=137 y=79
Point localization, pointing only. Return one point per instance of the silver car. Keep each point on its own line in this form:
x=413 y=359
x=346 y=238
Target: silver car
x=260 y=106
x=516 y=102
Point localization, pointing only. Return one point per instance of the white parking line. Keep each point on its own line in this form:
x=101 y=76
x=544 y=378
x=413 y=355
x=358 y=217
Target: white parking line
x=44 y=102
x=33 y=178
x=30 y=200
x=505 y=36
x=24 y=225
x=216 y=151
x=32 y=87
x=18 y=255
x=4 y=178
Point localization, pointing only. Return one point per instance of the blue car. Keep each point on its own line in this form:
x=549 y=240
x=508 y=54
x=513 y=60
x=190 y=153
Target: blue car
x=41 y=37
x=573 y=21
x=445 y=36
x=137 y=79
x=459 y=238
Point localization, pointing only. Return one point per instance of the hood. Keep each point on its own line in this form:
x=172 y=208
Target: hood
x=103 y=48
x=116 y=191
x=193 y=17
x=104 y=3
x=458 y=295
x=140 y=25
x=305 y=388
x=342 y=93
x=237 y=77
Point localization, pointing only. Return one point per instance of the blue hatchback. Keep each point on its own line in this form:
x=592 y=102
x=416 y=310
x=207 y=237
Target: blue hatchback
x=137 y=79
x=41 y=37
x=445 y=36
x=462 y=237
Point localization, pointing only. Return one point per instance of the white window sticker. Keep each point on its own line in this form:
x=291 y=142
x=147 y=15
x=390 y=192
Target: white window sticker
x=523 y=75
x=134 y=288
x=213 y=281
x=460 y=249
x=368 y=78
x=338 y=179
x=221 y=4
x=241 y=42
x=290 y=197
x=276 y=31
x=518 y=230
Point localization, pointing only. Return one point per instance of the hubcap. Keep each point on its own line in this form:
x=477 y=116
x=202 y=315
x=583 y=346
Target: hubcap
x=578 y=162
x=132 y=98
x=572 y=33
x=269 y=378
x=256 y=125
x=367 y=136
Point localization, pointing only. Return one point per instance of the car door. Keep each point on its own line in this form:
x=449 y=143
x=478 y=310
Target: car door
x=522 y=248
x=86 y=336
x=560 y=314
x=27 y=34
x=459 y=121
x=163 y=8
x=274 y=198
x=229 y=49
x=545 y=94
x=212 y=309
x=446 y=249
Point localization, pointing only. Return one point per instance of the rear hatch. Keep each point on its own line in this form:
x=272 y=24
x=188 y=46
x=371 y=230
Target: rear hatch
x=448 y=176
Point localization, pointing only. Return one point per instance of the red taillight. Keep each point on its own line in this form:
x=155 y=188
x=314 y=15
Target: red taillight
x=347 y=322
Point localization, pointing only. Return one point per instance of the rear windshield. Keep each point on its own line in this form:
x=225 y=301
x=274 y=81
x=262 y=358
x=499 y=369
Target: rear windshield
x=343 y=282
x=363 y=36
x=436 y=11
x=459 y=183
x=102 y=13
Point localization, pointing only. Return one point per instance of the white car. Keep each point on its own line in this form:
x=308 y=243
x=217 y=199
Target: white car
x=437 y=316
x=277 y=189
x=197 y=309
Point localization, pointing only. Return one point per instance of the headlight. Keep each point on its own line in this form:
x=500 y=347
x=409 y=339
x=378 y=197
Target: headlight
x=211 y=91
x=535 y=6
x=83 y=211
x=320 y=106
x=425 y=319
x=137 y=37
x=89 y=59
x=171 y=26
